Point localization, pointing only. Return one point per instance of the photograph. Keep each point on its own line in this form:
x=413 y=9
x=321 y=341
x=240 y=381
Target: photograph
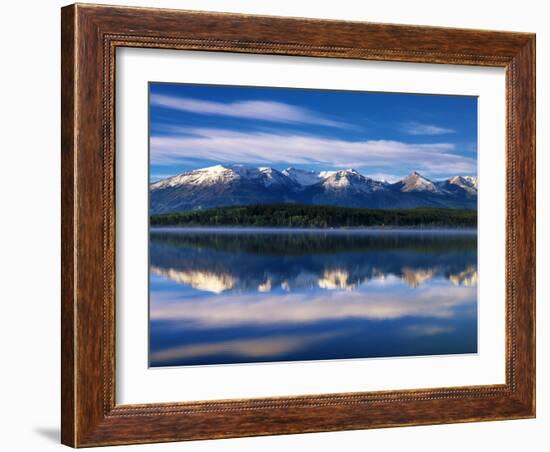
x=303 y=224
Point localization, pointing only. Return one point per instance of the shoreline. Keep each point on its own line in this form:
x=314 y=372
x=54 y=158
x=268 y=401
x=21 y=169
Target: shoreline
x=286 y=230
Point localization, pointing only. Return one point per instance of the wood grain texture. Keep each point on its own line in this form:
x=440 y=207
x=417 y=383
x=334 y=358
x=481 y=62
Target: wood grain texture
x=67 y=226
x=90 y=36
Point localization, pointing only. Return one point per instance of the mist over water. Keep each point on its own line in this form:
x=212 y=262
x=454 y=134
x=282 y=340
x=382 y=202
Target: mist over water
x=241 y=296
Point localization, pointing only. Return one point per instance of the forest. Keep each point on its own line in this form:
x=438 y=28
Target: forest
x=315 y=216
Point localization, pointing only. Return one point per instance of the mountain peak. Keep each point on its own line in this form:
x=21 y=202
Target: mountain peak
x=214 y=168
x=416 y=182
x=205 y=176
x=350 y=180
x=467 y=183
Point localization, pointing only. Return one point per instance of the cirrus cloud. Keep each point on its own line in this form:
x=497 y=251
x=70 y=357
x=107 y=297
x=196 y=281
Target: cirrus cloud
x=258 y=110
x=257 y=147
x=417 y=128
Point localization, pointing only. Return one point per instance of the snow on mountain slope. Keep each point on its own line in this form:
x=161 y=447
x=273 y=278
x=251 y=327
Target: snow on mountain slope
x=271 y=177
x=415 y=182
x=225 y=185
x=206 y=176
x=350 y=179
x=467 y=183
x=302 y=177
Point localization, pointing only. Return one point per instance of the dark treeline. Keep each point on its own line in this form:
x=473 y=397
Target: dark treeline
x=305 y=243
x=312 y=216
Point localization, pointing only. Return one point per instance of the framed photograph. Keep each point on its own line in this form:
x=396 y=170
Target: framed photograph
x=281 y=225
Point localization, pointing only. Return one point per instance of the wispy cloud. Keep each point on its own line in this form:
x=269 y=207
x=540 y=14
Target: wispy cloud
x=226 y=146
x=248 y=109
x=417 y=128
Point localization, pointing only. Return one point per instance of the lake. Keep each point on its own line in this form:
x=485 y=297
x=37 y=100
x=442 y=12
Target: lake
x=242 y=295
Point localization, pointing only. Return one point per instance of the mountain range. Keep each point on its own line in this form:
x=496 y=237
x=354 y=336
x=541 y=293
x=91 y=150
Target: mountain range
x=234 y=185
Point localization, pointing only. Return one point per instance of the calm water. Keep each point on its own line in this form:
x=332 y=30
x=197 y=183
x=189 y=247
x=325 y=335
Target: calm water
x=238 y=296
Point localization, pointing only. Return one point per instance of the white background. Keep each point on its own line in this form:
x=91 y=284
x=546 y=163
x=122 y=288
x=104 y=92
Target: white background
x=30 y=227
x=137 y=384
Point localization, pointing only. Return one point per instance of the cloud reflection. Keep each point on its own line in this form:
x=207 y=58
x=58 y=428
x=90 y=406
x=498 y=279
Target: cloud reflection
x=246 y=348
x=428 y=330
x=296 y=308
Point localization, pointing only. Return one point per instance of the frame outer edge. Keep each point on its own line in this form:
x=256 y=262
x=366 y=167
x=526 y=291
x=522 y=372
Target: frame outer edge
x=68 y=230
x=534 y=225
x=86 y=419
x=525 y=62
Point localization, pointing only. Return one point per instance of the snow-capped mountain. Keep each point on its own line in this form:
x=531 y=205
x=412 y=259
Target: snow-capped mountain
x=272 y=177
x=347 y=188
x=468 y=183
x=415 y=182
x=233 y=185
x=219 y=185
x=206 y=176
x=225 y=174
x=302 y=177
x=349 y=179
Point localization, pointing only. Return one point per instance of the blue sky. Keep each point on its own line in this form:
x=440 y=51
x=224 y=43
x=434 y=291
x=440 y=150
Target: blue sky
x=383 y=135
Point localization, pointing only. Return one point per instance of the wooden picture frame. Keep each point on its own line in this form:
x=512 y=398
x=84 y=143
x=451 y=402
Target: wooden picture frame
x=90 y=36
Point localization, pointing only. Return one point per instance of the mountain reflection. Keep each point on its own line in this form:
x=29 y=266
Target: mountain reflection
x=225 y=262
x=201 y=280
x=237 y=296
